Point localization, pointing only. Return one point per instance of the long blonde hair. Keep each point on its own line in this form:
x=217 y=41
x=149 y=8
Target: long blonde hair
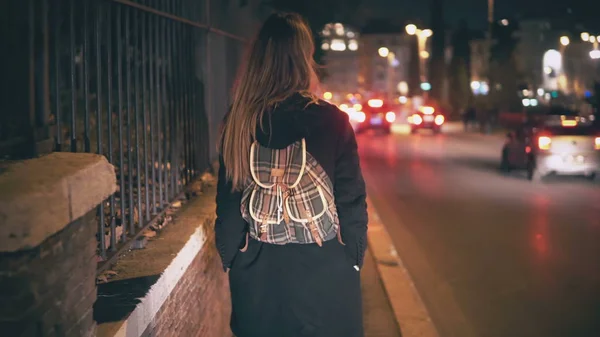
x=280 y=64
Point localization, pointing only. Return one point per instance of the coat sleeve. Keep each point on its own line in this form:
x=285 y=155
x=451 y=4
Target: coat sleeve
x=230 y=227
x=350 y=195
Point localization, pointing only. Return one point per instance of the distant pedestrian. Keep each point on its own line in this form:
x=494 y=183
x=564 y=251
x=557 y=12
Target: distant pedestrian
x=291 y=212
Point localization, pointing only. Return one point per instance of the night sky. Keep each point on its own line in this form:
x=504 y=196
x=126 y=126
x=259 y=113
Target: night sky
x=475 y=11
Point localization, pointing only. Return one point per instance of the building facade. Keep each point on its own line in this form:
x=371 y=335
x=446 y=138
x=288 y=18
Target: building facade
x=341 y=46
x=385 y=62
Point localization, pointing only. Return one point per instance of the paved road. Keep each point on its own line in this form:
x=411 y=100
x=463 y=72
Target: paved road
x=491 y=255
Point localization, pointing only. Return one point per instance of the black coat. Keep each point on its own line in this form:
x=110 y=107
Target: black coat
x=299 y=290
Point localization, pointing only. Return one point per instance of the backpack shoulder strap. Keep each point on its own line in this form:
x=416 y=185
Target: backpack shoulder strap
x=252 y=171
x=303 y=167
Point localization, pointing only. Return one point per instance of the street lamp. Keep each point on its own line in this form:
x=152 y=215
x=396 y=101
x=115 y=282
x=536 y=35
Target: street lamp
x=383 y=52
x=422 y=36
x=564 y=40
x=585 y=36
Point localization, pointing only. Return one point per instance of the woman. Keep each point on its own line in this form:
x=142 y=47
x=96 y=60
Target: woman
x=289 y=278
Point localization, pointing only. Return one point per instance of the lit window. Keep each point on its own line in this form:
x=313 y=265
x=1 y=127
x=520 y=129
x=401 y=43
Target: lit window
x=338 y=45
x=325 y=46
x=353 y=45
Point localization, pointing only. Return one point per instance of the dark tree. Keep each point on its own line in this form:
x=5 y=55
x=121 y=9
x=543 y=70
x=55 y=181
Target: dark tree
x=504 y=72
x=458 y=70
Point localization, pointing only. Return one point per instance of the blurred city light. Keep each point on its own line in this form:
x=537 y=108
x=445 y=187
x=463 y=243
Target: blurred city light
x=327 y=95
x=425 y=86
x=540 y=92
x=479 y=88
x=403 y=88
x=339 y=29
x=504 y=22
x=595 y=54
x=411 y=29
x=553 y=60
x=427 y=32
x=325 y=46
x=338 y=45
x=585 y=36
x=353 y=45
x=402 y=99
x=424 y=54
x=564 y=40
x=383 y=52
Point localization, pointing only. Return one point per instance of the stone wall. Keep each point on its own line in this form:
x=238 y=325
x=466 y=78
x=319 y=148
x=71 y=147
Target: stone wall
x=48 y=243
x=52 y=288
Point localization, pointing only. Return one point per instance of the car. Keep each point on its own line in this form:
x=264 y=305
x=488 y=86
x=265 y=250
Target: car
x=569 y=146
x=426 y=117
x=374 y=114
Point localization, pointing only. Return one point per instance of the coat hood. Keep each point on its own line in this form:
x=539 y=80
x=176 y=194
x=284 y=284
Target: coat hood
x=289 y=121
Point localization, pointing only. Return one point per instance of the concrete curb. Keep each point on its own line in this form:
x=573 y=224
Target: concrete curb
x=410 y=312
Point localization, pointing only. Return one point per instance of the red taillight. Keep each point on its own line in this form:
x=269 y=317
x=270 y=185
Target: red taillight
x=597 y=143
x=544 y=143
x=439 y=120
x=390 y=116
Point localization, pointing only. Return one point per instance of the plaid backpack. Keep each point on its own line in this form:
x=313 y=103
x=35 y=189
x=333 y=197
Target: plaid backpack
x=289 y=198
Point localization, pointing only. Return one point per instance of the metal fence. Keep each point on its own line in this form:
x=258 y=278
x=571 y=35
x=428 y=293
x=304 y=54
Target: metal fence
x=118 y=78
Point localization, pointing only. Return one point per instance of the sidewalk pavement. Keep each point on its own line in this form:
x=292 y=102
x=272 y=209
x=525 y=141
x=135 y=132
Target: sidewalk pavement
x=378 y=316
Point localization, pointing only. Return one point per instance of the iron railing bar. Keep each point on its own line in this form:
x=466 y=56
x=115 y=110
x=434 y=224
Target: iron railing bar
x=42 y=120
x=128 y=63
x=104 y=265
x=120 y=122
x=101 y=225
x=73 y=77
x=159 y=70
x=145 y=112
x=166 y=112
x=184 y=75
x=152 y=20
x=176 y=92
x=109 y=110
x=180 y=19
x=86 y=79
x=191 y=99
x=32 y=54
x=137 y=65
x=57 y=105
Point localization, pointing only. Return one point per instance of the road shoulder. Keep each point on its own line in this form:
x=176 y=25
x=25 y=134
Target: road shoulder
x=407 y=305
x=378 y=317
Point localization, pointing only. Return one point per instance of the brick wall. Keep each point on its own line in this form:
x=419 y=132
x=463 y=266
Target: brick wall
x=199 y=304
x=51 y=288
